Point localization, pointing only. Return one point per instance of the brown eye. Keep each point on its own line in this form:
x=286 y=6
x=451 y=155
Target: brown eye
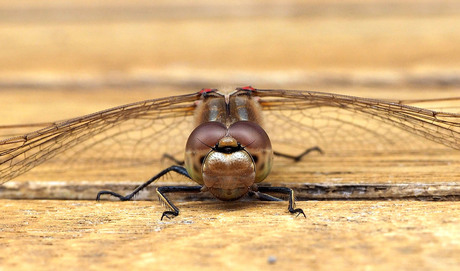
x=250 y=135
x=199 y=144
x=255 y=141
x=206 y=135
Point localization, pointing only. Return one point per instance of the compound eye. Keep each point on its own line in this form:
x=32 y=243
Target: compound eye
x=199 y=144
x=255 y=141
x=206 y=136
x=250 y=135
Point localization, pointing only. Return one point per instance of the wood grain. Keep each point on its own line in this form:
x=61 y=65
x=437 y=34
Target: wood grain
x=76 y=235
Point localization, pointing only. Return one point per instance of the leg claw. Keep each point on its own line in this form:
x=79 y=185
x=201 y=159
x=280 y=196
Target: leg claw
x=298 y=211
x=169 y=214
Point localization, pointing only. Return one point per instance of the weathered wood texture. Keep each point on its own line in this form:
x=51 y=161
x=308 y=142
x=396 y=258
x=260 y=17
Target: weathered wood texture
x=60 y=60
x=77 y=235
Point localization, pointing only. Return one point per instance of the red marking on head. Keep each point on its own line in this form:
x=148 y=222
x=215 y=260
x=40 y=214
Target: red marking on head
x=249 y=88
x=207 y=90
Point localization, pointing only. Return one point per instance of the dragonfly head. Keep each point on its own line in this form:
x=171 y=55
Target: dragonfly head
x=228 y=161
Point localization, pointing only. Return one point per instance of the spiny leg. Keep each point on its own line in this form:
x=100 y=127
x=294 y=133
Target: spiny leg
x=178 y=169
x=263 y=196
x=300 y=156
x=174 y=211
x=287 y=191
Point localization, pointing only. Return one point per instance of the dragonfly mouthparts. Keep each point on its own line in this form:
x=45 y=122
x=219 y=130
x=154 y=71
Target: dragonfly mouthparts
x=227 y=145
x=228 y=149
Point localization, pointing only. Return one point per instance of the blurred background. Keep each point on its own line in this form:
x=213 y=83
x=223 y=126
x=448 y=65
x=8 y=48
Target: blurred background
x=56 y=56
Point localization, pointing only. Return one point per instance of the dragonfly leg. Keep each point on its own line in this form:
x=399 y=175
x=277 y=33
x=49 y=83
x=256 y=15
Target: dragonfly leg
x=263 y=196
x=172 y=158
x=300 y=156
x=174 y=211
x=178 y=169
x=284 y=190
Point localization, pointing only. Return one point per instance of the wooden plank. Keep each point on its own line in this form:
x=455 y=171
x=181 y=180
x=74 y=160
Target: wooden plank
x=75 y=235
x=74 y=190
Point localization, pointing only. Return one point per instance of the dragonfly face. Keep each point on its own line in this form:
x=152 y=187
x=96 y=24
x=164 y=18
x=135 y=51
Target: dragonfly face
x=228 y=152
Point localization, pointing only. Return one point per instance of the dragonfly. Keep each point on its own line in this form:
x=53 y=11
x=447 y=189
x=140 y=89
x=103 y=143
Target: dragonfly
x=228 y=138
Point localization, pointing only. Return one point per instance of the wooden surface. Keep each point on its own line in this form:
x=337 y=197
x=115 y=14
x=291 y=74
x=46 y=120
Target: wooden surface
x=77 y=235
x=64 y=60
x=375 y=234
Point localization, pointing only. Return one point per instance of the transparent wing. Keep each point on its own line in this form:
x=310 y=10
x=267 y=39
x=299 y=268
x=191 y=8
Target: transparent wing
x=7 y=131
x=130 y=140
x=345 y=125
x=136 y=134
